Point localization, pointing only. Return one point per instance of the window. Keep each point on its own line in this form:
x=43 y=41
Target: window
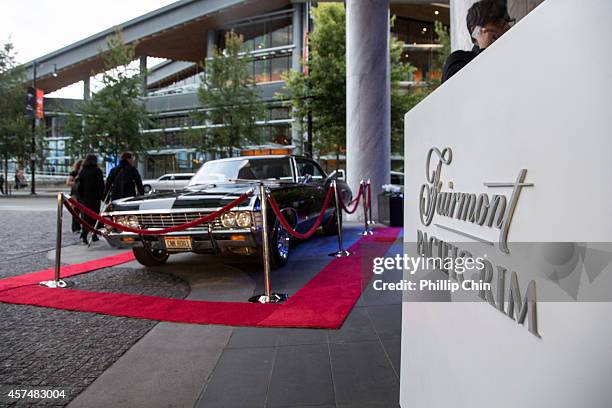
x=306 y=166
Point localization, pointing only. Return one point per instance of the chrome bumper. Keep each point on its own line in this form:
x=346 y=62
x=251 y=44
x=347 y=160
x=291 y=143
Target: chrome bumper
x=240 y=241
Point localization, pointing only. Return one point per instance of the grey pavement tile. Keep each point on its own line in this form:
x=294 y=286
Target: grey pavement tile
x=393 y=347
x=387 y=320
x=363 y=375
x=356 y=327
x=240 y=379
x=295 y=337
x=244 y=337
x=301 y=376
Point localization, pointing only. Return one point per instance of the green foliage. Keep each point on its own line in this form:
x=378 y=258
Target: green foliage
x=113 y=118
x=444 y=40
x=15 y=131
x=230 y=100
x=323 y=90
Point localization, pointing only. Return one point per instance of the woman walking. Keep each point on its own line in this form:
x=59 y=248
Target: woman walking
x=71 y=182
x=90 y=188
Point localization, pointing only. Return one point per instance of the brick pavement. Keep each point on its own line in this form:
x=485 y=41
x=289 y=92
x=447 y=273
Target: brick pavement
x=47 y=348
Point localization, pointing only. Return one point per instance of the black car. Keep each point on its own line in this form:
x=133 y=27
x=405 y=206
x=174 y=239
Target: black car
x=298 y=185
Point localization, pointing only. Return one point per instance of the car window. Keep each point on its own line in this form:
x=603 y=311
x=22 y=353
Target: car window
x=164 y=178
x=306 y=166
x=183 y=177
x=247 y=169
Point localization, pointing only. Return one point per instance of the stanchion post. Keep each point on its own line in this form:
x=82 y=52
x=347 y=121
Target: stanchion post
x=267 y=296
x=366 y=228
x=266 y=242
x=57 y=282
x=369 y=193
x=341 y=251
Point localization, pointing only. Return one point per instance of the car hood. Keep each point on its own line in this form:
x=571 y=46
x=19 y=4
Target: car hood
x=204 y=196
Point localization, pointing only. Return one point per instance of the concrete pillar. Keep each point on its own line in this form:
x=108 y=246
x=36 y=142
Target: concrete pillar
x=520 y=8
x=460 y=37
x=368 y=103
x=296 y=62
x=143 y=73
x=87 y=88
x=210 y=43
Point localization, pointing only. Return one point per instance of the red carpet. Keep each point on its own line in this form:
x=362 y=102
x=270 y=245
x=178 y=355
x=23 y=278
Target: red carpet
x=324 y=302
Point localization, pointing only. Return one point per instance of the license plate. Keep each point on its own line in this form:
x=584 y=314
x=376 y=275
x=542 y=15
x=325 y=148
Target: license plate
x=178 y=243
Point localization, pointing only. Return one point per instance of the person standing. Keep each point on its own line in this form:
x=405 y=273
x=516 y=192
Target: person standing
x=2 y=184
x=71 y=183
x=487 y=20
x=90 y=190
x=124 y=180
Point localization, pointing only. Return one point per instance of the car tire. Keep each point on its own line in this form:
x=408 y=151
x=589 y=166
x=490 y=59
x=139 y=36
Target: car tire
x=280 y=246
x=147 y=189
x=331 y=226
x=148 y=257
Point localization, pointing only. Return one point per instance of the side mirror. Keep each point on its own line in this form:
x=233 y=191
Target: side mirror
x=340 y=174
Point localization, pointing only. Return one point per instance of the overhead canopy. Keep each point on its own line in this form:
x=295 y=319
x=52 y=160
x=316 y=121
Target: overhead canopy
x=177 y=31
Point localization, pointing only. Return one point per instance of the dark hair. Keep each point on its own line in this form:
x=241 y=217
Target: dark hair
x=77 y=165
x=126 y=156
x=90 y=160
x=487 y=12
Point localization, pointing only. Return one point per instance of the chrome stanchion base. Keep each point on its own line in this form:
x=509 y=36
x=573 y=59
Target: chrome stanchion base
x=274 y=298
x=341 y=254
x=56 y=284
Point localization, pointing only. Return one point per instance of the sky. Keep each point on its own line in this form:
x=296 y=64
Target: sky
x=38 y=27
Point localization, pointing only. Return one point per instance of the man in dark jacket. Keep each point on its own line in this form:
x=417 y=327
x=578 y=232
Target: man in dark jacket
x=487 y=20
x=90 y=189
x=124 y=180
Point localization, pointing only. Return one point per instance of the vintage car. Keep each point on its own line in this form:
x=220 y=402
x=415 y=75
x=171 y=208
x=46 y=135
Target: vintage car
x=298 y=185
x=167 y=182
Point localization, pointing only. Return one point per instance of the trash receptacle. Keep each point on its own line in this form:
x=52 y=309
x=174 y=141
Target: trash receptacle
x=396 y=210
x=391 y=209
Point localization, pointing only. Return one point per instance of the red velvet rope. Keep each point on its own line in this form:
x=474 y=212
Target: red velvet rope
x=289 y=228
x=80 y=220
x=355 y=201
x=181 y=227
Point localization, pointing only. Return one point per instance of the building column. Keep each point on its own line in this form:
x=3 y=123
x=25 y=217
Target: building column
x=87 y=88
x=210 y=43
x=460 y=37
x=296 y=64
x=368 y=102
x=143 y=74
x=520 y=8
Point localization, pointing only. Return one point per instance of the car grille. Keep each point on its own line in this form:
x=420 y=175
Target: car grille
x=174 y=219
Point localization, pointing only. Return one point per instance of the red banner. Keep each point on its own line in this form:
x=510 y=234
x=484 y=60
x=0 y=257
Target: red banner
x=40 y=96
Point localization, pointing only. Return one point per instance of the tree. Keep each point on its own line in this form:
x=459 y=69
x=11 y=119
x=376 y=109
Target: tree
x=323 y=90
x=14 y=126
x=113 y=118
x=229 y=99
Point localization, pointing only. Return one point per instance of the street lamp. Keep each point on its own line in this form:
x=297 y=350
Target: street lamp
x=36 y=64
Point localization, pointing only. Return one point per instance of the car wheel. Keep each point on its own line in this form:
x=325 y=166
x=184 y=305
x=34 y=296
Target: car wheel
x=147 y=189
x=280 y=246
x=331 y=226
x=149 y=257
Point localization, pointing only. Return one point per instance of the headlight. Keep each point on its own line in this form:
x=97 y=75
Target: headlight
x=127 y=220
x=228 y=220
x=243 y=219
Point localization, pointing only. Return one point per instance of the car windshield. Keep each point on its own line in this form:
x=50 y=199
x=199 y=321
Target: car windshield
x=246 y=169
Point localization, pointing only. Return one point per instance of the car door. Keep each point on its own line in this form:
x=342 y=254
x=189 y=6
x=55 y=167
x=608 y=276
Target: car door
x=314 y=183
x=163 y=183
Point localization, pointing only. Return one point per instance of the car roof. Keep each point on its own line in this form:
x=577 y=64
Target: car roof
x=264 y=156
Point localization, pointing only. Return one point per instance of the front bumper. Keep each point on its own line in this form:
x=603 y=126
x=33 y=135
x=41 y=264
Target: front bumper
x=244 y=241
